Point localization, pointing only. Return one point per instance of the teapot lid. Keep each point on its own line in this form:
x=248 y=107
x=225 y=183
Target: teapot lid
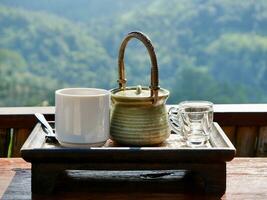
x=137 y=94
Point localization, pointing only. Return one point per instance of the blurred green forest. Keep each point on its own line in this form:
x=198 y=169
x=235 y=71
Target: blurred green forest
x=209 y=50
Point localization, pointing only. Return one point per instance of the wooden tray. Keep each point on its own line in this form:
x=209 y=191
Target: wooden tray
x=208 y=162
x=173 y=150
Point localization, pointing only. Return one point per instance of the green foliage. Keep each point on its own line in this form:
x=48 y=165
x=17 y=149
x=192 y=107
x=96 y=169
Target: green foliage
x=56 y=54
x=241 y=54
x=210 y=50
x=19 y=87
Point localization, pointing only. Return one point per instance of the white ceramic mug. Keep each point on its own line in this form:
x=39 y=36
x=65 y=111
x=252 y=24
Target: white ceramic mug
x=82 y=116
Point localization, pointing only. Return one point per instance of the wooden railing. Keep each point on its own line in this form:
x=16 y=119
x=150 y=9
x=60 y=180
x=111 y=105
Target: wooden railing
x=244 y=124
x=16 y=123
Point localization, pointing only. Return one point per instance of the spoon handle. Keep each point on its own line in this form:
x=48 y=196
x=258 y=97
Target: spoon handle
x=50 y=137
x=43 y=121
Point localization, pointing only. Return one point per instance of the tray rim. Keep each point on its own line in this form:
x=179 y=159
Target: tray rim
x=223 y=153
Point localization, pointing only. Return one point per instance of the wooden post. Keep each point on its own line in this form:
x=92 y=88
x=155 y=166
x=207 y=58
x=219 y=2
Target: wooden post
x=230 y=131
x=262 y=142
x=246 y=141
x=19 y=137
x=4 y=142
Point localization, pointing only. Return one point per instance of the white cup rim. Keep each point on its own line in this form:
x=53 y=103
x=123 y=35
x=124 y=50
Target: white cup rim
x=84 y=92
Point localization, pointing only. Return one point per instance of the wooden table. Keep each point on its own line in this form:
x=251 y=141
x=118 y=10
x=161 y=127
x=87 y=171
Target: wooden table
x=246 y=179
x=201 y=169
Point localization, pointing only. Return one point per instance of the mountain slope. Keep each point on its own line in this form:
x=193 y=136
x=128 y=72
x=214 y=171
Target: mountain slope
x=185 y=33
x=212 y=50
x=54 y=47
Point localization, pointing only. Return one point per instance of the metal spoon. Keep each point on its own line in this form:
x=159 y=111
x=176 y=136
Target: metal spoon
x=50 y=137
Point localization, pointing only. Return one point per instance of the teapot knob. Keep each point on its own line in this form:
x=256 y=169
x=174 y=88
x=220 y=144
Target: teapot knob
x=138 y=89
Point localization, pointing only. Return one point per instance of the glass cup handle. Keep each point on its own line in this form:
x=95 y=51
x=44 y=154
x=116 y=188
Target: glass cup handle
x=173 y=121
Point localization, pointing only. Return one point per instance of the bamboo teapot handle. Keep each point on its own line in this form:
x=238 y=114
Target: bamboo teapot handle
x=154 y=85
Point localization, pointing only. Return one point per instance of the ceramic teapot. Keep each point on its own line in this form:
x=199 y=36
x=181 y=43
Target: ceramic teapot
x=138 y=114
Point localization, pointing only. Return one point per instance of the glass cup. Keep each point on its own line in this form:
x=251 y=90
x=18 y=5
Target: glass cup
x=193 y=121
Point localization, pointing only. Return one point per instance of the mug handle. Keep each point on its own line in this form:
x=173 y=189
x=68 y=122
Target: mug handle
x=172 y=118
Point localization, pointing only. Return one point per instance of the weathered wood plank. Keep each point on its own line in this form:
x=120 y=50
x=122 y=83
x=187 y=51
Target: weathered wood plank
x=230 y=131
x=262 y=142
x=218 y=108
x=241 y=114
x=224 y=114
x=23 y=117
x=19 y=137
x=4 y=142
x=21 y=120
x=246 y=140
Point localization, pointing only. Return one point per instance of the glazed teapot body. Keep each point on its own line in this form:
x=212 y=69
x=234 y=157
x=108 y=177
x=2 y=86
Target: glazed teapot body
x=138 y=114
